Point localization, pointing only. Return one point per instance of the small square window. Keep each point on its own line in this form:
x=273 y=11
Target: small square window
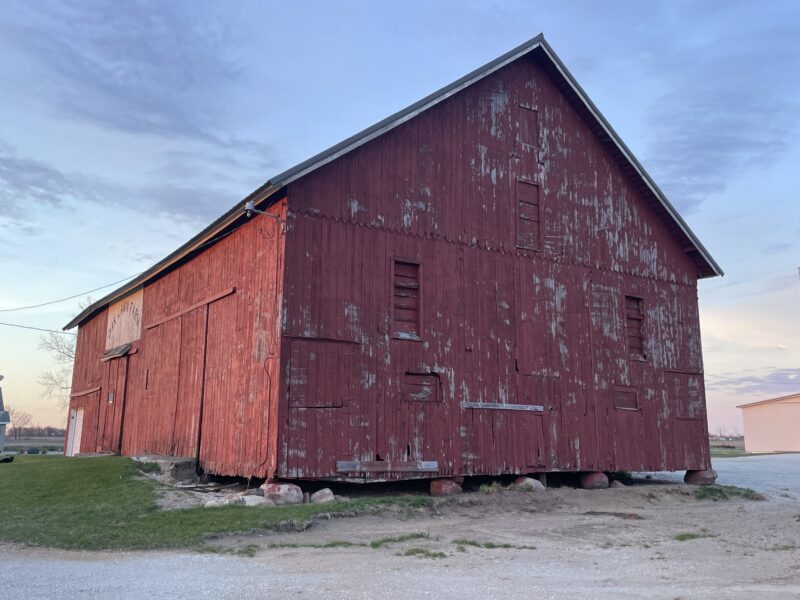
x=625 y=398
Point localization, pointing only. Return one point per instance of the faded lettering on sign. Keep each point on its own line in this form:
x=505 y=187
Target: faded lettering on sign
x=124 y=321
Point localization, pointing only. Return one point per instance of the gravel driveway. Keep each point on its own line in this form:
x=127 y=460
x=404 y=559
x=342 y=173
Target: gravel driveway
x=776 y=475
x=618 y=543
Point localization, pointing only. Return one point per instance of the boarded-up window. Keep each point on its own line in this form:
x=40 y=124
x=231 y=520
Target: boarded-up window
x=634 y=317
x=625 y=397
x=528 y=126
x=320 y=373
x=528 y=215
x=420 y=388
x=406 y=296
x=686 y=394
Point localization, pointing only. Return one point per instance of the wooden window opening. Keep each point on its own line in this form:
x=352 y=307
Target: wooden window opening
x=406 y=300
x=529 y=234
x=634 y=317
x=626 y=398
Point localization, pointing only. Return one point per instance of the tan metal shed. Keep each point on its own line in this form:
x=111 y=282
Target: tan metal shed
x=772 y=425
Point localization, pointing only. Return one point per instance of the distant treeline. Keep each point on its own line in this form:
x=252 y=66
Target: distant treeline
x=36 y=432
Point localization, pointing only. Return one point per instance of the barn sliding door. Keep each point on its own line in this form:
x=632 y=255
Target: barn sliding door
x=173 y=381
x=112 y=405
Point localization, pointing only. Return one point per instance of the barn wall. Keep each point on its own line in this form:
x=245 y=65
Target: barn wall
x=88 y=374
x=528 y=238
x=203 y=379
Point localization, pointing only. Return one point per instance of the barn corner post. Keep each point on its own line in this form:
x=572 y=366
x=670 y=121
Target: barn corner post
x=705 y=475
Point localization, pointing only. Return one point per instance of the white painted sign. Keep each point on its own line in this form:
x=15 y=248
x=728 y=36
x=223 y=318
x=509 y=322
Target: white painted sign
x=124 y=321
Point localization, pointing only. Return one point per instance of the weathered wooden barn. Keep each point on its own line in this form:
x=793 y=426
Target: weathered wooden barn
x=486 y=282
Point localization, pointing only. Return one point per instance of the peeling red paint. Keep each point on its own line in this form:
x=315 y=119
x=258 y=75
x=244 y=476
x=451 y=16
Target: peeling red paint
x=524 y=236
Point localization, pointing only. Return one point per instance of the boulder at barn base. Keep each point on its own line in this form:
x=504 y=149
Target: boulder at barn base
x=707 y=477
x=283 y=493
x=257 y=501
x=527 y=484
x=445 y=487
x=323 y=496
x=594 y=481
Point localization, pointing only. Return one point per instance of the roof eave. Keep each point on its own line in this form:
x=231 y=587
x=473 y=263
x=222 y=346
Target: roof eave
x=229 y=218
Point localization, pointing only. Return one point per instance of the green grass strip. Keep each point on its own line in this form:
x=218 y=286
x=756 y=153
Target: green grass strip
x=103 y=503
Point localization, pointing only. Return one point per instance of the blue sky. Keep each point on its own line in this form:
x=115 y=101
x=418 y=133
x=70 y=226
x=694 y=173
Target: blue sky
x=125 y=127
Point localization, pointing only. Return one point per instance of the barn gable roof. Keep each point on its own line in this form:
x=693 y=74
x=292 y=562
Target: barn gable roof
x=273 y=189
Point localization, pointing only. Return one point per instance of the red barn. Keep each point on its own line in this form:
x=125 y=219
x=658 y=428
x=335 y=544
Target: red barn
x=486 y=282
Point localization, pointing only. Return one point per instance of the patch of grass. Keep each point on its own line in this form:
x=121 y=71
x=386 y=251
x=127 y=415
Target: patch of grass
x=102 y=503
x=621 y=515
x=693 y=535
x=147 y=466
x=728 y=453
x=380 y=542
x=725 y=492
x=782 y=548
x=492 y=488
x=330 y=544
x=461 y=543
x=423 y=553
x=249 y=550
x=476 y=544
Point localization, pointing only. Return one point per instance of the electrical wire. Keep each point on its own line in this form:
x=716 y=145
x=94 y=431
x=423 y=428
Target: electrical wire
x=35 y=328
x=3 y=310
x=102 y=287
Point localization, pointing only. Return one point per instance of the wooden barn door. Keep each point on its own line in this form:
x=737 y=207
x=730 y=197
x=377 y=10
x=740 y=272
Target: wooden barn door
x=75 y=432
x=84 y=422
x=617 y=393
x=112 y=405
x=174 y=382
x=418 y=408
x=161 y=385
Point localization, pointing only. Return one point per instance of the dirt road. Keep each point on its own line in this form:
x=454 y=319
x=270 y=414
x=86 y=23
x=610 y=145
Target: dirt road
x=647 y=541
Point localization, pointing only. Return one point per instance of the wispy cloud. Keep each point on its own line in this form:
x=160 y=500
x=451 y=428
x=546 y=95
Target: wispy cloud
x=28 y=185
x=193 y=188
x=145 y=70
x=137 y=66
x=779 y=382
x=732 y=106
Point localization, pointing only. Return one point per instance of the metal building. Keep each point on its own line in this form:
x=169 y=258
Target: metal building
x=772 y=425
x=486 y=282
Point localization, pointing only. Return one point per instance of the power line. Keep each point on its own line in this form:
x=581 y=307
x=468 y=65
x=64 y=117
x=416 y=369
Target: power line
x=35 y=328
x=69 y=298
x=3 y=310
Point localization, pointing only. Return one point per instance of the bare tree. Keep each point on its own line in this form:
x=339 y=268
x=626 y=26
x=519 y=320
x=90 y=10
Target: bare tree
x=58 y=382
x=19 y=420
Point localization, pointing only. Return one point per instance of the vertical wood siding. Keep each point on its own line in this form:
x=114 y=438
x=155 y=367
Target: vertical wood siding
x=528 y=237
x=521 y=238
x=206 y=368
